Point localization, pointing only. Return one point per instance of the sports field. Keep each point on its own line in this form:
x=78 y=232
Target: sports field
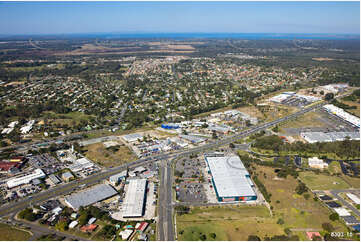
x=227 y=223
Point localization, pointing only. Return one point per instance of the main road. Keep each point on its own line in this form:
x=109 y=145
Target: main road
x=167 y=198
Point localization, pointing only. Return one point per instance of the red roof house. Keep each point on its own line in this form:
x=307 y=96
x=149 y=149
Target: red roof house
x=89 y=228
x=311 y=234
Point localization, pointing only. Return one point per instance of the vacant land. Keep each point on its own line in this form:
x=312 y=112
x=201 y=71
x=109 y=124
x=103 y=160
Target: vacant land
x=295 y=210
x=279 y=111
x=227 y=223
x=322 y=182
x=112 y=156
x=310 y=119
x=356 y=111
x=10 y=233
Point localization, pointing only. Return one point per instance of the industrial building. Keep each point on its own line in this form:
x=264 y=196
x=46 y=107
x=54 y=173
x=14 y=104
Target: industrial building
x=313 y=137
x=38 y=173
x=230 y=179
x=118 y=177
x=339 y=112
x=353 y=197
x=90 y=196
x=135 y=198
x=170 y=126
x=132 y=137
x=192 y=139
x=80 y=164
x=314 y=162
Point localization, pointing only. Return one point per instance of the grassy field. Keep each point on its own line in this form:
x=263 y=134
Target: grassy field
x=322 y=182
x=34 y=68
x=227 y=223
x=68 y=118
x=353 y=181
x=109 y=157
x=296 y=211
x=334 y=167
x=10 y=233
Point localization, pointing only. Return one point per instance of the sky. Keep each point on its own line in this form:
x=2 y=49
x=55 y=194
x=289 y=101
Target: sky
x=179 y=17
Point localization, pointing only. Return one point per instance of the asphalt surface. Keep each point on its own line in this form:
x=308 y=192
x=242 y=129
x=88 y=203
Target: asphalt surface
x=166 y=200
x=165 y=211
x=344 y=202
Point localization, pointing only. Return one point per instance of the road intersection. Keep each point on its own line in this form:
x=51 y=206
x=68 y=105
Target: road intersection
x=165 y=213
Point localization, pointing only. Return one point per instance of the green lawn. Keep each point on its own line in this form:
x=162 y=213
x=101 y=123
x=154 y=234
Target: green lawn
x=227 y=223
x=322 y=182
x=10 y=233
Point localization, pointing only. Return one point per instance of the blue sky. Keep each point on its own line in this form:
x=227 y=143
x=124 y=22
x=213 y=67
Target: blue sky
x=236 y=17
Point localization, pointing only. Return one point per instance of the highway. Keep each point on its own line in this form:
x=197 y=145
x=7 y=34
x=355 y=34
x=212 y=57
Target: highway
x=168 y=233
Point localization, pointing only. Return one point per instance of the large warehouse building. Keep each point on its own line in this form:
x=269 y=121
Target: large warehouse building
x=339 y=112
x=135 y=198
x=38 y=173
x=90 y=196
x=313 y=137
x=230 y=179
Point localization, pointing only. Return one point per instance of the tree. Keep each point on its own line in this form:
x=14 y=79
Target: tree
x=203 y=237
x=334 y=216
x=27 y=214
x=253 y=238
x=288 y=231
x=327 y=227
x=214 y=135
x=280 y=221
x=275 y=129
x=83 y=219
x=316 y=238
x=301 y=188
x=329 y=96
x=61 y=225
x=213 y=235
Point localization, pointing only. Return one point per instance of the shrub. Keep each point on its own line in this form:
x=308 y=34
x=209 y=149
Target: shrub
x=334 y=216
x=253 y=238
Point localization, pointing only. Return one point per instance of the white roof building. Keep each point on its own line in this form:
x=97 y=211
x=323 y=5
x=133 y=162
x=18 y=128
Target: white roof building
x=90 y=196
x=38 y=173
x=339 y=112
x=80 y=164
x=13 y=124
x=7 y=130
x=73 y=224
x=126 y=234
x=92 y=220
x=342 y=212
x=314 y=162
x=230 y=177
x=27 y=127
x=132 y=137
x=279 y=98
x=313 y=137
x=134 y=202
x=353 y=197
x=117 y=177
